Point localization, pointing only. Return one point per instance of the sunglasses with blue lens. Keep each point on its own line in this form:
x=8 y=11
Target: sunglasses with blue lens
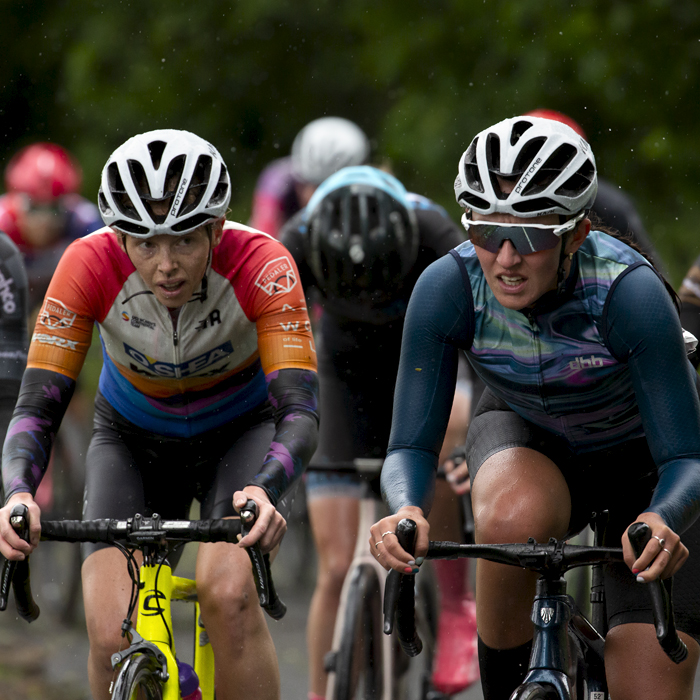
x=528 y=239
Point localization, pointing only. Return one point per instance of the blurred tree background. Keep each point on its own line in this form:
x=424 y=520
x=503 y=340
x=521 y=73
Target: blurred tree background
x=420 y=77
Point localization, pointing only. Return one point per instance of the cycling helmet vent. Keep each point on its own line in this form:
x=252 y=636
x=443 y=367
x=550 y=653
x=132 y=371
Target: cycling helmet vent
x=130 y=227
x=221 y=192
x=168 y=181
x=156 y=148
x=540 y=204
x=120 y=197
x=190 y=224
x=493 y=154
x=551 y=168
x=579 y=181
x=528 y=153
x=519 y=128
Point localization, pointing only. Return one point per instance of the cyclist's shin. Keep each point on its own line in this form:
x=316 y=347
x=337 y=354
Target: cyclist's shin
x=502 y=670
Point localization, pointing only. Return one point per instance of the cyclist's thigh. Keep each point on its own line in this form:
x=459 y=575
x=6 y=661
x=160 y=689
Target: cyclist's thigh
x=518 y=489
x=242 y=460
x=129 y=472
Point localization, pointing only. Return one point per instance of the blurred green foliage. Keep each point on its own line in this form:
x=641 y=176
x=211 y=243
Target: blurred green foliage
x=420 y=77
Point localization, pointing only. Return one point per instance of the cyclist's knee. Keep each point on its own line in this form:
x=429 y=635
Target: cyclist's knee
x=227 y=592
x=331 y=574
x=105 y=639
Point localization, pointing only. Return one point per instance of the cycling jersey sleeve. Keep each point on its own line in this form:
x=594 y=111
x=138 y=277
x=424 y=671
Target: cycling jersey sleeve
x=439 y=321
x=292 y=236
x=13 y=328
x=276 y=303
x=643 y=330
x=42 y=403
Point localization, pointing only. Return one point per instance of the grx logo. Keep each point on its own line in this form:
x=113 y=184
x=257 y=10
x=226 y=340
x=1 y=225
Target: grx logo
x=585 y=362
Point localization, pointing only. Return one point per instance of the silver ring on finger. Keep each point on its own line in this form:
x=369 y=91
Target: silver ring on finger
x=668 y=551
x=662 y=541
x=376 y=544
x=388 y=532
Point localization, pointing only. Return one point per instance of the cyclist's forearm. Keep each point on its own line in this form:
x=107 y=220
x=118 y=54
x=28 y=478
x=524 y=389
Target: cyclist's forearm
x=293 y=394
x=408 y=479
x=677 y=495
x=43 y=400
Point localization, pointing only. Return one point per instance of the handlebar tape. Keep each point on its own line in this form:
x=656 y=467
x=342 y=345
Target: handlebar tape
x=639 y=535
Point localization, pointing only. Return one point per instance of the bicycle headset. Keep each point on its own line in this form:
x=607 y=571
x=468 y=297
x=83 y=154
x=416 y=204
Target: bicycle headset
x=362 y=234
x=170 y=166
x=326 y=145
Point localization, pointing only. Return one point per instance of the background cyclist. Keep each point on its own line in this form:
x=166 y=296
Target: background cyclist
x=42 y=211
x=285 y=186
x=202 y=393
x=13 y=328
x=590 y=401
x=362 y=241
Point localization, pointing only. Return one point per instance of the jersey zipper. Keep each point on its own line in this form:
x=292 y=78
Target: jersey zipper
x=534 y=328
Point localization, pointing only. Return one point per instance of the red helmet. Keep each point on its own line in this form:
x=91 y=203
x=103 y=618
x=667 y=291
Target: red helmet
x=558 y=117
x=44 y=171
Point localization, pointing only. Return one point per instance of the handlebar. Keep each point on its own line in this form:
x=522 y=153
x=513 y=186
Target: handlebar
x=551 y=559
x=138 y=532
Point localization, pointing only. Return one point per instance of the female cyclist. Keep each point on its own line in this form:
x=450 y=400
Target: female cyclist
x=203 y=393
x=590 y=402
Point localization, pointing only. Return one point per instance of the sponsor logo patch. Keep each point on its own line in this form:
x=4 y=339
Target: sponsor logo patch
x=189 y=368
x=277 y=277
x=585 y=362
x=6 y=296
x=59 y=342
x=137 y=322
x=54 y=314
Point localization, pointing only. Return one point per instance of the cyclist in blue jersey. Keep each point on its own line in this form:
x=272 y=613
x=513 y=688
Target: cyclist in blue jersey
x=361 y=244
x=590 y=402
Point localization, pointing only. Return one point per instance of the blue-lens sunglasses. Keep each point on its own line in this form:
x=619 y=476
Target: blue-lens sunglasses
x=526 y=239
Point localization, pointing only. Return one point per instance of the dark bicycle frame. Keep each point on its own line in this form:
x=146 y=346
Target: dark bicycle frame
x=554 y=613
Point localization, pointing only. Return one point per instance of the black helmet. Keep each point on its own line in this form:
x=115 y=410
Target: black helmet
x=363 y=234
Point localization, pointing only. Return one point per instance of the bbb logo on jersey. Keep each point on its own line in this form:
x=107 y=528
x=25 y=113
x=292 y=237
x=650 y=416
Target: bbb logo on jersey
x=277 y=277
x=188 y=368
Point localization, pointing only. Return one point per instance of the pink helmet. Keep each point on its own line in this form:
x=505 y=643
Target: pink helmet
x=44 y=171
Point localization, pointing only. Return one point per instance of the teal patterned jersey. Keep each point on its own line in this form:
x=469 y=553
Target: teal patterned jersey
x=555 y=368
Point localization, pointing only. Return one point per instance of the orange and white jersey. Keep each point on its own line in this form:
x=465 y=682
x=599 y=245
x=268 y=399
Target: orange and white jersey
x=247 y=320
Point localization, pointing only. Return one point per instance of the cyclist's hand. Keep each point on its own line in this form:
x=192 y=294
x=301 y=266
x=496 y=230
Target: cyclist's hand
x=269 y=527
x=385 y=546
x=663 y=555
x=457 y=472
x=11 y=545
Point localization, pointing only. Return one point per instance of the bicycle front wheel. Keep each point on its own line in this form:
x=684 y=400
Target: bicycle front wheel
x=359 y=664
x=138 y=680
x=535 y=691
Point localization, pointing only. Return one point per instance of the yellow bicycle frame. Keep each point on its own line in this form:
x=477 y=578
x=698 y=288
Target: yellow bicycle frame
x=155 y=618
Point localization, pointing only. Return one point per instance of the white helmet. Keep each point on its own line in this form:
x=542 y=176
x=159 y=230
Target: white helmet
x=176 y=168
x=326 y=145
x=553 y=168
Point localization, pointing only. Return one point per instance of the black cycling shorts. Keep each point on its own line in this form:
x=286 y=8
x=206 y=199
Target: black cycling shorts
x=130 y=470
x=619 y=479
